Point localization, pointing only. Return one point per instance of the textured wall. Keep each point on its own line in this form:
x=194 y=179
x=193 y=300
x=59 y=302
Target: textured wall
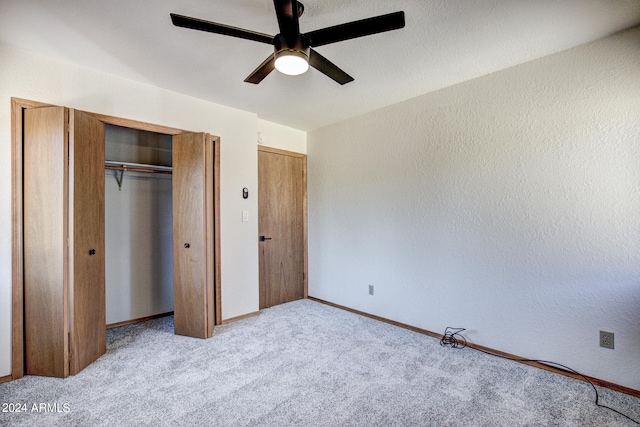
x=508 y=205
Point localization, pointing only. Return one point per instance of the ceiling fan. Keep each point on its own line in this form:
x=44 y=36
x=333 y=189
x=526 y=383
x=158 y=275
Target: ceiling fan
x=293 y=52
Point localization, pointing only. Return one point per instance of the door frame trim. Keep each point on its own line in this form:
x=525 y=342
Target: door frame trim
x=18 y=105
x=304 y=207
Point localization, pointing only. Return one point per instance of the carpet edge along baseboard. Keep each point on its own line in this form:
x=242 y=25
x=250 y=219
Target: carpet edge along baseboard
x=596 y=381
x=243 y=316
x=138 y=320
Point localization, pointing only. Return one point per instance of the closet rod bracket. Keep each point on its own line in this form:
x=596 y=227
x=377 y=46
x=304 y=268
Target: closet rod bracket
x=119 y=180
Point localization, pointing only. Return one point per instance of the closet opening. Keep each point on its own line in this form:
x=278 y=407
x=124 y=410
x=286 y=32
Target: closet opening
x=160 y=192
x=138 y=225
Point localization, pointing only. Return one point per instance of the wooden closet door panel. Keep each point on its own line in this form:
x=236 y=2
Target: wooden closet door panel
x=45 y=241
x=193 y=291
x=86 y=232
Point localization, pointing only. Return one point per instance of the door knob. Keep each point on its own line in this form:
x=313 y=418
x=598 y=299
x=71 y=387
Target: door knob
x=186 y=245
x=262 y=238
x=92 y=251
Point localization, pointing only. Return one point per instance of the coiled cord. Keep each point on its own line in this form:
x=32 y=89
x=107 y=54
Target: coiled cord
x=452 y=338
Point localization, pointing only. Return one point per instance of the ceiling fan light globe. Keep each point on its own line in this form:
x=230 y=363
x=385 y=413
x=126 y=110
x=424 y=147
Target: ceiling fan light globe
x=292 y=63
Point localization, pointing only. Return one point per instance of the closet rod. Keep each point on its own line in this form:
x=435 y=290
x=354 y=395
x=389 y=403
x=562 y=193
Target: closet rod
x=134 y=167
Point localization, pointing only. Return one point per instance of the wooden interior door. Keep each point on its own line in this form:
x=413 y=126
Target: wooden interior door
x=64 y=299
x=87 y=326
x=281 y=223
x=45 y=198
x=193 y=275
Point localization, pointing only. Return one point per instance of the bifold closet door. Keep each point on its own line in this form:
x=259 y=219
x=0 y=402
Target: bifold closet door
x=46 y=149
x=192 y=180
x=64 y=302
x=87 y=298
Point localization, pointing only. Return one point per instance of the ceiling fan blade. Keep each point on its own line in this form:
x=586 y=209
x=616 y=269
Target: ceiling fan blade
x=213 y=27
x=328 y=68
x=287 y=14
x=262 y=71
x=355 y=29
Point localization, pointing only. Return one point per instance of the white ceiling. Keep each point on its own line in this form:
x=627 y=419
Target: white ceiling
x=444 y=42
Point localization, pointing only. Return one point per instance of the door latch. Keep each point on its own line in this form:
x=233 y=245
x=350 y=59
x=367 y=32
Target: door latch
x=262 y=238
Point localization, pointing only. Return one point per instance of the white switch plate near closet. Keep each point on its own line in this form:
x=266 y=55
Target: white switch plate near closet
x=245 y=216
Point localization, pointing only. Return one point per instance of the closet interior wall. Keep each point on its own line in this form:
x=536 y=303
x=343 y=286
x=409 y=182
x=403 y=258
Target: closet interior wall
x=138 y=227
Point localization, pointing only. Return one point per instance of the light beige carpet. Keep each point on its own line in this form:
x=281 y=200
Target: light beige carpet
x=305 y=364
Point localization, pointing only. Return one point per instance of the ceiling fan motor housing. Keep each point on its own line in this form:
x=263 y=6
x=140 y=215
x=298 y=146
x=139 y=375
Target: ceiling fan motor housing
x=299 y=47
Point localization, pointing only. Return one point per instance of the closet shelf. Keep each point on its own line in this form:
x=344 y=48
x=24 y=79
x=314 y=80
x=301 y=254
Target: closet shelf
x=134 y=167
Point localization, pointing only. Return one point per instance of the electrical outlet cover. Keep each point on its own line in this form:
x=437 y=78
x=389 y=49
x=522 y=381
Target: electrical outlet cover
x=606 y=339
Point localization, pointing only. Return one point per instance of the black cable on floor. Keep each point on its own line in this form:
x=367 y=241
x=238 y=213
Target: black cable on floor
x=452 y=338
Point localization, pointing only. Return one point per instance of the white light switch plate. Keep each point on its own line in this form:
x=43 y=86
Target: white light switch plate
x=245 y=216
